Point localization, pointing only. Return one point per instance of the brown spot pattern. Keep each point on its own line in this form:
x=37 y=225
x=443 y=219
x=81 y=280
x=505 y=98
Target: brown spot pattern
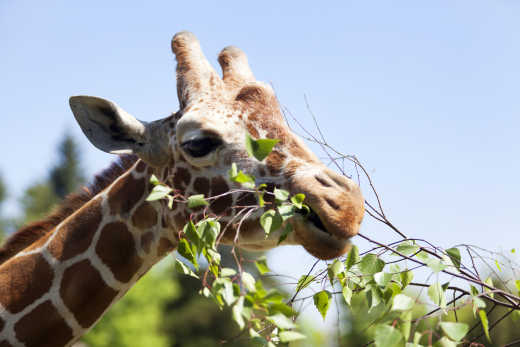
x=75 y=237
x=182 y=178
x=144 y=216
x=125 y=194
x=116 y=248
x=43 y=327
x=246 y=199
x=252 y=130
x=23 y=280
x=5 y=344
x=164 y=246
x=1 y=323
x=85 y=293
x=219 y=186
x=146 y=241
x=201 y=185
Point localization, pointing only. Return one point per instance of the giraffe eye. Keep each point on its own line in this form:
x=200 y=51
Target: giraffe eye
x=201 y=147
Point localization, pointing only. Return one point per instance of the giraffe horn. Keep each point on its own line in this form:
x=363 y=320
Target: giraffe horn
x=235 y=68
x=194 y=73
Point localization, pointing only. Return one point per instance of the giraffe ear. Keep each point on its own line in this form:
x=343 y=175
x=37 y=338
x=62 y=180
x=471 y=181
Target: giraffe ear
x=113 y=130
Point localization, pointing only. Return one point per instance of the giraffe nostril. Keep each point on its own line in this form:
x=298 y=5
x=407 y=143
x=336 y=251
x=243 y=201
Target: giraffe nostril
x=340 y=181
x=322 y=181
x=332 y=203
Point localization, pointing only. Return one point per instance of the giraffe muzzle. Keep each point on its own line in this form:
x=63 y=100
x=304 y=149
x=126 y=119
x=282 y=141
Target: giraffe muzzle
x=336 y=211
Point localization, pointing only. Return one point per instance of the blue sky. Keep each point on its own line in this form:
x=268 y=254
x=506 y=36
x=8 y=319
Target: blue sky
x=426 y=94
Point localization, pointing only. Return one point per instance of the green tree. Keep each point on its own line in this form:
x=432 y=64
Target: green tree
x=64 y=178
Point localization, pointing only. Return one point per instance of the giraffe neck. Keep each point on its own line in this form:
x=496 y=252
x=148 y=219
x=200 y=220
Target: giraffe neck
x=52 y=292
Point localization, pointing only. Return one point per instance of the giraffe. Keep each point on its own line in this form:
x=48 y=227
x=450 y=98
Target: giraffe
x=58 y=276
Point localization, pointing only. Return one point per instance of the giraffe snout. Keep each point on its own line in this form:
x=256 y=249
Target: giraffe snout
x=337 y=209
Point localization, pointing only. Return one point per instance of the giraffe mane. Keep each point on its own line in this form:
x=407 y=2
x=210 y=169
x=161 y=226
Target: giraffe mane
x=32 y=232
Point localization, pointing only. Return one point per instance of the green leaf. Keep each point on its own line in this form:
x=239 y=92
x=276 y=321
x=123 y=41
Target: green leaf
x=498 y=265
x=485 y=324
x=407 y=248
x=260 y=148
x=382 y=278
x=352 y=257
x=154 y=180
x=297 y=200
x=248 y=281
x=455 y=331
x=322 y=302
x=489 y=282
x=517 y=284
x=261 y=265
x=212 y=256
x=158 y=192
x=416 y=337
x=237 y=310
x=374 y=296
x=406 y=278
x=270 y=221
x=387 y=336
x=371 y=264
x=286 y=211
x=286 y=231
x=280 y=195
x=187 y=252
x=227 y=272
x=224 y=287
x=245 y=180
x=436 y=294
x=334 y=269
x=233 y=171
x=445 y=342
x=288 y=336
x=478 y=303
x=170 y=201
x=406 y=324
x=191 y=233
x=454 y=255
x=304 y=281
x=209 y=229
x=183 y=269
x=196 y=201
x=281 y=321
x=347 y=294
x=423 y=256
x=402 y=303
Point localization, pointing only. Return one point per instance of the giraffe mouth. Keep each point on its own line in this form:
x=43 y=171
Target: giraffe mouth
x=313 y=218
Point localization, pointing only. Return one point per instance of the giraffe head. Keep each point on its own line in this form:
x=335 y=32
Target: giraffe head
x=193 y=149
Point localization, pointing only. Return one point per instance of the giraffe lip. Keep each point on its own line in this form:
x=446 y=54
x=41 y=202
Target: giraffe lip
x=313 y=218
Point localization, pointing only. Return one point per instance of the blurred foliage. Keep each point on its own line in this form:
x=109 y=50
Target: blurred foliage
x=64 y=178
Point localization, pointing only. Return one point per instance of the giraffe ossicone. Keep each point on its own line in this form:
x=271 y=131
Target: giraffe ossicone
x=58 y=276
